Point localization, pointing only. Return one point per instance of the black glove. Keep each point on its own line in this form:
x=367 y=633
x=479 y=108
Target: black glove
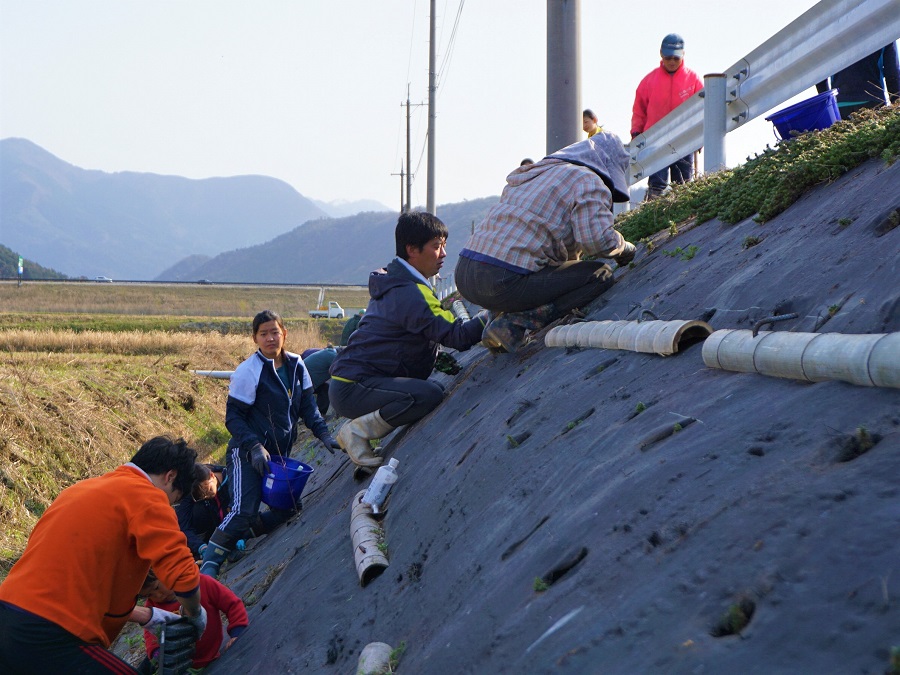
x=177 y=644
x=330 y=444
x=627 y=255
x=445 y=363
x=259 y=458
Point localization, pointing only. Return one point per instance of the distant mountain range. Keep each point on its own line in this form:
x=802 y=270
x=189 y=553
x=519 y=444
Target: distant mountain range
x=149 y=227
x=337 y=251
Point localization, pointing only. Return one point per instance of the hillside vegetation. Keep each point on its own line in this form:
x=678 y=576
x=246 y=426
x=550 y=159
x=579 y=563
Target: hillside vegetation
x=9 y=267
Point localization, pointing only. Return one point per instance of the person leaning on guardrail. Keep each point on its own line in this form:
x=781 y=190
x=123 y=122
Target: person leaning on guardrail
x=661 y=91
x=869 y=83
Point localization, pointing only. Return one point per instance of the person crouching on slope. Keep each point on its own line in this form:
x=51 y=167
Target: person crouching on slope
x=66 y=599
x=380 y=379
x=217 y=599
x=268 y=394
x=524 y=259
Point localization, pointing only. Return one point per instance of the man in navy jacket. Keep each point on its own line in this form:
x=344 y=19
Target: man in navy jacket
x=380 y=379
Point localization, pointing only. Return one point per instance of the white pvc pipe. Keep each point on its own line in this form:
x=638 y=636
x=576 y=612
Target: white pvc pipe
x=365 y=533
x=220 y=374
x=650 y=337
x=867 y=360
x=375 y=658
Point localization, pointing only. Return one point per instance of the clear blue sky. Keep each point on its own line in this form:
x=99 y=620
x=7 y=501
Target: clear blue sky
x=310 y=91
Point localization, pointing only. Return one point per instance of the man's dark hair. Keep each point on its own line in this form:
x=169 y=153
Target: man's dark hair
x=417 y=229
x=162 y=454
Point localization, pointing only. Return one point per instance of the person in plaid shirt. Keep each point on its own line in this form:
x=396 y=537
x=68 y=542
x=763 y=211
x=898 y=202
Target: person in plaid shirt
x=523 y=262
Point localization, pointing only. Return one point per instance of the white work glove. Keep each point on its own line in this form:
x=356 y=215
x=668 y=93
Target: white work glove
x=199 y=621
x=627 y=254
x=159 y=617
x=484 y=316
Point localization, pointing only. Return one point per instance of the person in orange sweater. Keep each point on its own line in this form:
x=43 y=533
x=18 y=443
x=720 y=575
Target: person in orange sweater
x=66 y=599
x=216 y=597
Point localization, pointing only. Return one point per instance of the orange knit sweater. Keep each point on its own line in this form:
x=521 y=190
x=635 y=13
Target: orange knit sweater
x=89 y=554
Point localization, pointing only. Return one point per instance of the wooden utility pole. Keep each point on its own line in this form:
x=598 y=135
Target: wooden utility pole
x=403 y=207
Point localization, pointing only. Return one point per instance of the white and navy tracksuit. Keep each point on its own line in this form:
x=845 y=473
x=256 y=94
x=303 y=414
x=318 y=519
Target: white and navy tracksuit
x=260 y=409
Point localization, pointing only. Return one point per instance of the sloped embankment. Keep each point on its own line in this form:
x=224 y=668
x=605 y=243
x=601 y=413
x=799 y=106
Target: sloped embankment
x=757 y=538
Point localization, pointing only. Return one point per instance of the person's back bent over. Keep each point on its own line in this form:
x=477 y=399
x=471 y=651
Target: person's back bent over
x=380 y=379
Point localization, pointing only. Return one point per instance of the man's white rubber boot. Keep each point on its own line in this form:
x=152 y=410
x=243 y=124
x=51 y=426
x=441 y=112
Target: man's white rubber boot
x=355 y=435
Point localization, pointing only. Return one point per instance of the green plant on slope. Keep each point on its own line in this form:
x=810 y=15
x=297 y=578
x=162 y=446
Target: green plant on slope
x=767 y=184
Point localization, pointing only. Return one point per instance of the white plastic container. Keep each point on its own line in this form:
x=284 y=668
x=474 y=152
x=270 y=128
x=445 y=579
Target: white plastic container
x=381 y=485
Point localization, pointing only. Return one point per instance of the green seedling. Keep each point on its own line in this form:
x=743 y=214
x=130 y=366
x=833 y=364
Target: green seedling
x=676 y=428
x=639 y=408
x=844 y=222
x=833 y=309
x=864 y=440
x=513 y=443
x=682 y=253
x=396 y=655
x=540 y=585
x=750 y=242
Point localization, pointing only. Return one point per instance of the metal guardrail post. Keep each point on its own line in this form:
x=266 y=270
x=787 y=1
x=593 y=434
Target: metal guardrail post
x=713 y=121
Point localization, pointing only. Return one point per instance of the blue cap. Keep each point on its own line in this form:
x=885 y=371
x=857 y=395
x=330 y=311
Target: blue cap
x=672 y=45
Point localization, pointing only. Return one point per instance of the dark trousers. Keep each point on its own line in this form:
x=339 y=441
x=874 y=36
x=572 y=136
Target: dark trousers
x=681 y=171
x=567 y=286
x=246 y=496
x=399 y=400
x=30 y=644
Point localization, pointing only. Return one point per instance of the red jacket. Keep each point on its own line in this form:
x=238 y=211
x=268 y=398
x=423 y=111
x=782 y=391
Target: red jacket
x=215 y=597
x=659 y=93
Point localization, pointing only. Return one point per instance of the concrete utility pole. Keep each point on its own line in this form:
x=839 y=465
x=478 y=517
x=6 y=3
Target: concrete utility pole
x=563 y=73
x=432 y=112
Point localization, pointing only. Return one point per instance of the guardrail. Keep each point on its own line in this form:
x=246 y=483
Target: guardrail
x=829 y=37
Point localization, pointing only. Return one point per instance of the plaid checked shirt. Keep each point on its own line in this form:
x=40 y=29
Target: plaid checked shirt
x=549 y=213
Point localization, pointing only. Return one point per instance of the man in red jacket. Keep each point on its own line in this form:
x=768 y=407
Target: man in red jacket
x=659 y=93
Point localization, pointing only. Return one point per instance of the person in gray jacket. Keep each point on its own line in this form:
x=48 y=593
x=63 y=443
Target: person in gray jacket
x=524 y=260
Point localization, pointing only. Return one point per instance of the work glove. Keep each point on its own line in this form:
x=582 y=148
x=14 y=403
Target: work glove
x=177 y=645
x=160 y=617
x=484 y=316
x=627 y=255
x=330 y=444
x=199 y=621
x=259 y=458
x=445 y=363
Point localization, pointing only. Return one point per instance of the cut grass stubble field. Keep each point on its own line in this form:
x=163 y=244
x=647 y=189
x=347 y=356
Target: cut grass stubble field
x=81 y=386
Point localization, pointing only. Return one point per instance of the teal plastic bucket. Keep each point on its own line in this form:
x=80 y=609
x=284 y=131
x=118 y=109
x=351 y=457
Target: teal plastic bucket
x=813 y=114
x=284 y=484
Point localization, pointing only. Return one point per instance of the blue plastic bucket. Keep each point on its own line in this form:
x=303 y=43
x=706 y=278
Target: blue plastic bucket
x=813 y=114
x=284 y=484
